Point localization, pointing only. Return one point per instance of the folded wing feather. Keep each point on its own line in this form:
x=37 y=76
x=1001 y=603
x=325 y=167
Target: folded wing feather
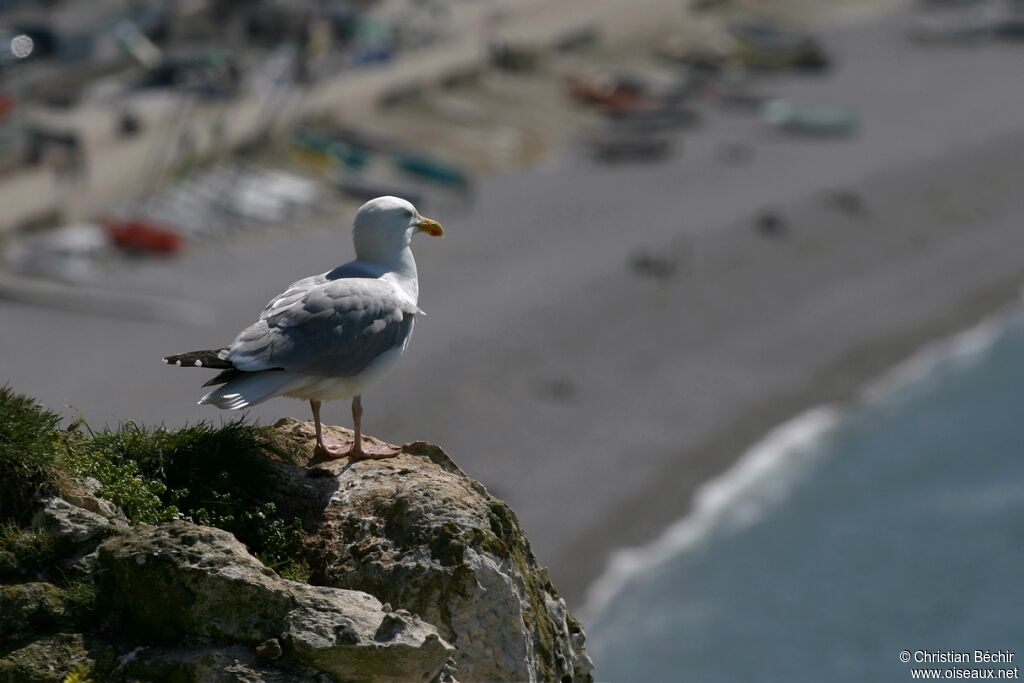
x=331 y=328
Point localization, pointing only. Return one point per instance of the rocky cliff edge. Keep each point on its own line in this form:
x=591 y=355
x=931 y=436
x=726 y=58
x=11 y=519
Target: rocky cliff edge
x=411 y=571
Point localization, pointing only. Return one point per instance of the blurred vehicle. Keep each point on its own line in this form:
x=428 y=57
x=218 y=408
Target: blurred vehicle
x=611 y=89
x=140 y=236
x=433 y=170
x=612 y=146
x=811 y=120
x=768 y=46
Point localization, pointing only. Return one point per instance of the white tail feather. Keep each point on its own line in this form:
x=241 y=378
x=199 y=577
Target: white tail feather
x=249 y=390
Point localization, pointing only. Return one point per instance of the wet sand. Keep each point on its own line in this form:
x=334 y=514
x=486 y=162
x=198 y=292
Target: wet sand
x=595 y=398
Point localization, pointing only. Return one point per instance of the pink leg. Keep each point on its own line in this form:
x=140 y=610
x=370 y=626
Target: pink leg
x=357 y=451
x=360 y=451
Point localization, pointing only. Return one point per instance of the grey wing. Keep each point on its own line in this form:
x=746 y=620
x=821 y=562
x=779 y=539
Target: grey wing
x=332 y=329
x=295 y=292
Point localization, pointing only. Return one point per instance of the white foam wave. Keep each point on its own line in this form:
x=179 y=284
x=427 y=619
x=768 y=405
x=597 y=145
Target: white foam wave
x=958 y=350
x=735 y=499
x=766 y=472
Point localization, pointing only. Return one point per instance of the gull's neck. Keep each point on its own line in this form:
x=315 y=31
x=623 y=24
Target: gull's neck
x=402 y=271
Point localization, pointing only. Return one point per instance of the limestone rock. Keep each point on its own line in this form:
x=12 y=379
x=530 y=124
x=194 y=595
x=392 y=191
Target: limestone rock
x=72 y=527
x=85 y=495
x=180 y=580
x=417 y=533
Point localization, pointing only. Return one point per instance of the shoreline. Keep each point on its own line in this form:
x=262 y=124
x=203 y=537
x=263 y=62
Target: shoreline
x=848 y=378
x=781 y=448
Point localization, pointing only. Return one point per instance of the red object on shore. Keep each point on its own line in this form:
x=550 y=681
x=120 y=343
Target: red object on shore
x=143 y=237
x=608 y=91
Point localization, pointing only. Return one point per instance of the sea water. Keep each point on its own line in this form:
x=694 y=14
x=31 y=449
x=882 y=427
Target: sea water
x=844 y=539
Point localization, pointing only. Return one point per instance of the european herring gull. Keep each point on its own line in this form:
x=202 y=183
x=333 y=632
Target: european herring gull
x=329 y=336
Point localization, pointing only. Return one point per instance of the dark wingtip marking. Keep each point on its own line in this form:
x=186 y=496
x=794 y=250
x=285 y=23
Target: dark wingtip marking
x=210 y=358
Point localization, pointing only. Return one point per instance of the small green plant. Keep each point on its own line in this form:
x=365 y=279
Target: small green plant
x=107 y=457
x=80 y=674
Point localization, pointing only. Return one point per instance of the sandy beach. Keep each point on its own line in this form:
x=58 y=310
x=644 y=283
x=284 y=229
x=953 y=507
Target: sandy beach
x=593 y=397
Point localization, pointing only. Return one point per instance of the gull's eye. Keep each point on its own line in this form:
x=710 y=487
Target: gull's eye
x=408 y=213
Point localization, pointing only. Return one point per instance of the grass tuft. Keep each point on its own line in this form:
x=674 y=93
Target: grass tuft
x=29 y=454
x=24 y=554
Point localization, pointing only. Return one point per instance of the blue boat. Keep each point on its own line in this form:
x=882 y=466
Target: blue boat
x=330 y=149
x=431 y=169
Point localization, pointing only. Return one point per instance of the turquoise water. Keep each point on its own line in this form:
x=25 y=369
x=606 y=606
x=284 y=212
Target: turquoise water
x=902 y=528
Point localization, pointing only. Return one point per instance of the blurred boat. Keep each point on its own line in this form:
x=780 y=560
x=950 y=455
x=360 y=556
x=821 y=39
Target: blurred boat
x=740 y=98
x=656 y=118
x=67 y=254
x=258 y=195
x=514 y=57
x=708 y=56
x=288 y=187
x=325 y=150
x=611 y=145
x=770 y=46
x=225 y=199
x=812 y=120
x=140 y=236
x=433 y=170
x=611 y=89
x=363 y=188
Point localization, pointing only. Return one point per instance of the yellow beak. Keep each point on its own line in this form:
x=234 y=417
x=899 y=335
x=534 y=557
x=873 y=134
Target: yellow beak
x=431 y=227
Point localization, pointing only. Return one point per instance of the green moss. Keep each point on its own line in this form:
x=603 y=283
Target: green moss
x=29 y=453
x=217 y=476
